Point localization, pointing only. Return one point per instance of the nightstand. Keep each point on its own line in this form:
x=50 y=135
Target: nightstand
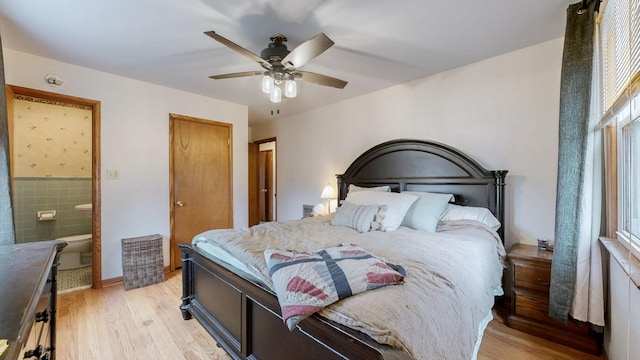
x=531 y=276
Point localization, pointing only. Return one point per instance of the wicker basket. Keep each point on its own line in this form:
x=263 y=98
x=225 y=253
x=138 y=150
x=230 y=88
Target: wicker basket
x=142 y=262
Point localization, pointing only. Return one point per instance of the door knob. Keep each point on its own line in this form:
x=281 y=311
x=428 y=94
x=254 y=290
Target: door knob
x=180 y=203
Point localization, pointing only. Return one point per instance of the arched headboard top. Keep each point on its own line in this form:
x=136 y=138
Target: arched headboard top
x=422 y=165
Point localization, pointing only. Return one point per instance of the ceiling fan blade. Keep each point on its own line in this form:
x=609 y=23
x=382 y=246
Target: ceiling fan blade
x=322 y=79
x=239 y=49
x=236 y=75
x=307 y=51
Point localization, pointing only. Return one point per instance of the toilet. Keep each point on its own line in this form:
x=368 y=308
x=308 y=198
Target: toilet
x=77 y=253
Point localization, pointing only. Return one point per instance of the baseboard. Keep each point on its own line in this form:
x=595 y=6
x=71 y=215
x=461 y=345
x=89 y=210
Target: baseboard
x=113 y=281
x=120 y=280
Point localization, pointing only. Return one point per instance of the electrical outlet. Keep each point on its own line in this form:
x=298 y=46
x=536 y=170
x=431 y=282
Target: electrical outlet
x=113 y=174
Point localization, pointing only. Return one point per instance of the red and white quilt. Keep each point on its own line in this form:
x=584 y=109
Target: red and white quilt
x=306 y=282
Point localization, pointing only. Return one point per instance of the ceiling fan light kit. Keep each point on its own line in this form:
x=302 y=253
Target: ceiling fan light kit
x=281 y=65
x=270 y=85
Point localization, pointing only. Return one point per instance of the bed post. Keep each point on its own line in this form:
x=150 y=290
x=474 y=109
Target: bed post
x=499 y=176
x=342 y=191
x=186 y=282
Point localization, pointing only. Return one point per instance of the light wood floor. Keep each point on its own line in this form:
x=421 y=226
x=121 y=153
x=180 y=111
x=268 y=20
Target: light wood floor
x=146 y=323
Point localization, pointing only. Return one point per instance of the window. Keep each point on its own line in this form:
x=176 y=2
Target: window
x=628 y=177
x=619 y=66
x=631 y=224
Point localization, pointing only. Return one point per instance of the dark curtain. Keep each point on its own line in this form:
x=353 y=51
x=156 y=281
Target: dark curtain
x=575 y=99
x=7 y=232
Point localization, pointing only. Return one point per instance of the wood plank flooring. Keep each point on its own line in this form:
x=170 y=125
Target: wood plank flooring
x=143 y=323
x=502 y=342
x=146 y=323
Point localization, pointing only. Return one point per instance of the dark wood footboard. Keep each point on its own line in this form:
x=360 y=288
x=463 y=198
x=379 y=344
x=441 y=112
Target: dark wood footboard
x=245 y=320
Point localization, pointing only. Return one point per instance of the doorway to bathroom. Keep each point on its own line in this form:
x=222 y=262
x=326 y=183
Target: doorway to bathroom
x=55 y=165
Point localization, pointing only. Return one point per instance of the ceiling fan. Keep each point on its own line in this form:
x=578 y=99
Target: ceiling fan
x=281 y=64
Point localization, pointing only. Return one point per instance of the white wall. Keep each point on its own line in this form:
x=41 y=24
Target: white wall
x=503 y=111
x=135 y=141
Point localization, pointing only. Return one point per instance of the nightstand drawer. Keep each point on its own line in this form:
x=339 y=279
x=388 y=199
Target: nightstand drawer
x=537 y=308
x=532 y=307
x=532 y=277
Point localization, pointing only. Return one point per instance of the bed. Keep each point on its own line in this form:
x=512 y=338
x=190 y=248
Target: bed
x=239 y=308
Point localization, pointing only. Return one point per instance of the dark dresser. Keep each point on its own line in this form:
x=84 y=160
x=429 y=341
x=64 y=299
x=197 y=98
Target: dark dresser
x=28 y=299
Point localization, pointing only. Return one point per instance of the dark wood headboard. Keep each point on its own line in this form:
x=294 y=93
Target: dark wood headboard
x=421 y=165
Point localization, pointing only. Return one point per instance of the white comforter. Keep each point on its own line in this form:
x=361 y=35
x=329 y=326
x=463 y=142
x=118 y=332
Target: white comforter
x=435 y=314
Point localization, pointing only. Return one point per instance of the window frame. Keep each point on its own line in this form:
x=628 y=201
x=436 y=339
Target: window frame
x=627 y=116
x=618 y=67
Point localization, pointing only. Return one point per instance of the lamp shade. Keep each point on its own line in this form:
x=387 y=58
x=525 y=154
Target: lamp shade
x=276 y=95
x=290 y=89
x=328 y=193
x=267 y=84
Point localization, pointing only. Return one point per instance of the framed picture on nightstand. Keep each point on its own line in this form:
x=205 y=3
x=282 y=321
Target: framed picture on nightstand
x=307 y=210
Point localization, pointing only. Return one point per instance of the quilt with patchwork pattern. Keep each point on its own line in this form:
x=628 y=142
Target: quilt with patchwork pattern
x=306 y=282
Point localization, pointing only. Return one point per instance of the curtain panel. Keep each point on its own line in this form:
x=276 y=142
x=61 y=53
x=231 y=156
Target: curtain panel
x=573 y=158
x=588 y=297
x=7 y=232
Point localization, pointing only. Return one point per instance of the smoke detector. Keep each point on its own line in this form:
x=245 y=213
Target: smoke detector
x=53 y=80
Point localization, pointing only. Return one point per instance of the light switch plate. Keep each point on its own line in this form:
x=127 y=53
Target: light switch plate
x=113 y=174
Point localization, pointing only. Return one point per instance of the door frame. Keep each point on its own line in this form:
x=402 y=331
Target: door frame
x=252 y=190
x=275 y=173
x=266 y=202
x=172 y=196
x=11 y=90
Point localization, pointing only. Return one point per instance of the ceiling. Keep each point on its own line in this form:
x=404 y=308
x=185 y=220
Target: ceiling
x=378 y=43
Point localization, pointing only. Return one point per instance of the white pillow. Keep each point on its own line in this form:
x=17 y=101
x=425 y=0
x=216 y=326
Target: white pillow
x=458 y=212
x=358 y=217
x=425 y=213
x=354 y=188
x=396 y=204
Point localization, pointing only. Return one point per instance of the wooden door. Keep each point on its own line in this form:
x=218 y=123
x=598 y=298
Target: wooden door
x=201 y=196
x=265 y=184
